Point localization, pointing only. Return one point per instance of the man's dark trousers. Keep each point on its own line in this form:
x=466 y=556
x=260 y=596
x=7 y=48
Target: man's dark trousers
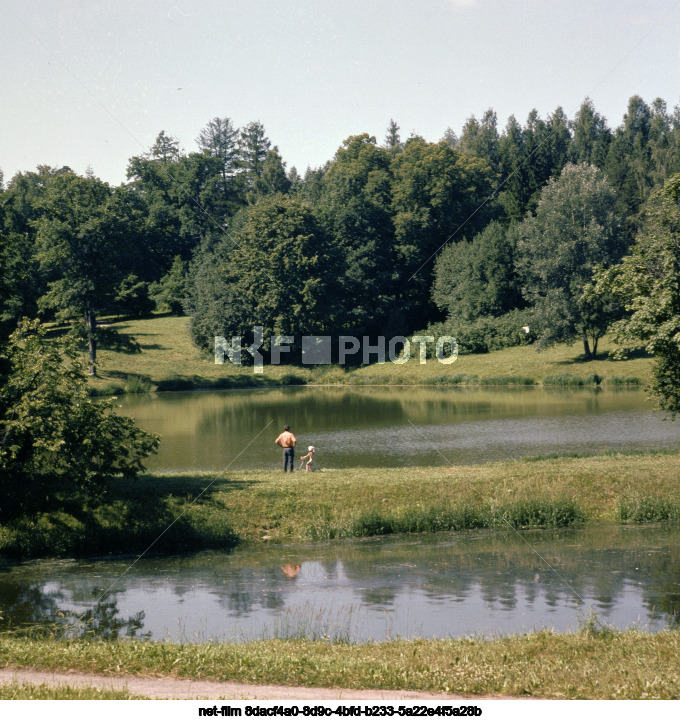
x=288 y=457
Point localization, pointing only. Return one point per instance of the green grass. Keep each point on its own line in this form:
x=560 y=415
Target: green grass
x=589 y=664
x=46 y=692
x=249 y=506
x=157 y=353
x=567 y=379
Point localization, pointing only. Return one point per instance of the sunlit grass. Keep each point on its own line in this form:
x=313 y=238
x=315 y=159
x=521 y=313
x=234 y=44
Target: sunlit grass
x=168 y=360
x=267 y=505
x=61 y=692
x=583 y=665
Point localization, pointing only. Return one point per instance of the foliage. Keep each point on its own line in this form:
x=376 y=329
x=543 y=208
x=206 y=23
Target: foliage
x=487 y=333
x=478 y=279
x=52 y=435
x=276 y=271
x=437 y=192
x=169 y=293
x=573 y=231
x=132 y=297
x=648 y=282
x=354 y=207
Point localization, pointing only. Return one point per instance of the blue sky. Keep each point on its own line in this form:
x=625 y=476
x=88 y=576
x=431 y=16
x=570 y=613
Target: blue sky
x=93 y=82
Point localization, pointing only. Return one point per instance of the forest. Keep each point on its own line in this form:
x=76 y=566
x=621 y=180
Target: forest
x=496 y=236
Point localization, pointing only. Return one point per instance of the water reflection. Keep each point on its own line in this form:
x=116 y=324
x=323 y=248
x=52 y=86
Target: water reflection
x=430 y=586
x=372 y=427
x=42 y=611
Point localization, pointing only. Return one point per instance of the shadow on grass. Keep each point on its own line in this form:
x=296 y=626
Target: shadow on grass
x=159 y=514
x=636 y=353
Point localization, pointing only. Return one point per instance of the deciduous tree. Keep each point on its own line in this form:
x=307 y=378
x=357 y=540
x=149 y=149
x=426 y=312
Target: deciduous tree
x=573 y=231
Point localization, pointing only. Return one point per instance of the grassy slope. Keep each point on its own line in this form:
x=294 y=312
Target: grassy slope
x=168 y=353
x=252 y=505
x=591 y=664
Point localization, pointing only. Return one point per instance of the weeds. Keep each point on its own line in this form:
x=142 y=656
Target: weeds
x=567 y=379
x=649 y=510
x=622 y=381
x=507 y=381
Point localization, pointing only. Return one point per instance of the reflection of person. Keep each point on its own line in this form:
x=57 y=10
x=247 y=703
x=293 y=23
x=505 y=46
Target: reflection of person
x=291 y=569
x=287 y=441
x=309 y=457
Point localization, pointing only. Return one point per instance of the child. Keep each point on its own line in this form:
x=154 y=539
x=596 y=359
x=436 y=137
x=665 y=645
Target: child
x=310 y=457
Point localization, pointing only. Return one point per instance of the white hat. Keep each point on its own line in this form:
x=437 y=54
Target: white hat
x=311 y=448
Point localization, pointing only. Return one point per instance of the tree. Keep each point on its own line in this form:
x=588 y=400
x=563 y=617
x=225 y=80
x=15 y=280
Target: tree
x=22 y=282
x=220 y=139
x=170 y=292
x=81 y=241
x=590 y=137
x=647 y=280
x=573 y=231
x=392 y=138
x=178 y=202
x=628 y=164
x=355 y=209
x=165 y=148
x=275 y=270
x=52 y=435
x=438 y=194
x=480 y=138
x=478 y=279
x=273 y=178
x=253 y=148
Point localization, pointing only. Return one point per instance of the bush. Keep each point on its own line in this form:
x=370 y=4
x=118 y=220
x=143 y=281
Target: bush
x=484 y=334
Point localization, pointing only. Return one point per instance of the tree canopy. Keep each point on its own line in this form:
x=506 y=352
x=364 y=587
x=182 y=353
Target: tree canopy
x=573 y=231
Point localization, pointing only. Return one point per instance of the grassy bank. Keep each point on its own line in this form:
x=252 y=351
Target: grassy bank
x=157 y=353
x=591 y=664
x=256 y=506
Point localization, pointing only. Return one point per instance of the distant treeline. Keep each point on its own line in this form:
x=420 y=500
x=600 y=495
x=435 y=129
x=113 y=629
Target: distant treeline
x=490 y=235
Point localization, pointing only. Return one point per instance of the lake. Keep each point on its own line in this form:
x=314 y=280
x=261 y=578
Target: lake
x=393 y=427
x=441 y=585
x=427 y=586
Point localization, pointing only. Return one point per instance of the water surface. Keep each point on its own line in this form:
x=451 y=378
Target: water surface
x=394 y=427
x=429 y=586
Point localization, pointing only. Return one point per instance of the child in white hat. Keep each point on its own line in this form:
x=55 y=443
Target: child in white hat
x=309 y=457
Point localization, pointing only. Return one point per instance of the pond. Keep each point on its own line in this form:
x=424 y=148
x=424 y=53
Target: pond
x=392 y=427
x=422 y=586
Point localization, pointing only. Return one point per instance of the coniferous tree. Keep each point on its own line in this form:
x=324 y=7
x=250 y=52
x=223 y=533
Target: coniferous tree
x=253 y=148
x=392 y=137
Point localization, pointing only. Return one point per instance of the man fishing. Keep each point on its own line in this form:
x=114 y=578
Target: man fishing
x=287 y=441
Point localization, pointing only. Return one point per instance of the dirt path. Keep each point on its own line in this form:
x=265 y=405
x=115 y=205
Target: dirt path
x=174 y=688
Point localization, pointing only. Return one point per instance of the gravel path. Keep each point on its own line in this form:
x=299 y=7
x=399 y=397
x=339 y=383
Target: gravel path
x=177 y=688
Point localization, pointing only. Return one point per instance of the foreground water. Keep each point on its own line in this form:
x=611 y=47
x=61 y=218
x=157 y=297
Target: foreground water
x=425 y=586
x=394 y=427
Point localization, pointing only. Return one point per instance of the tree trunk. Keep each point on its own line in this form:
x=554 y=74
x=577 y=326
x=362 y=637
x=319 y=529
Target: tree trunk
x=91 y=325
x=595 y=347
x=586 y=346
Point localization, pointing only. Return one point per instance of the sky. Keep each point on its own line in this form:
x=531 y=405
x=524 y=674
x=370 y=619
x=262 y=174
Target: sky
x=91 y=83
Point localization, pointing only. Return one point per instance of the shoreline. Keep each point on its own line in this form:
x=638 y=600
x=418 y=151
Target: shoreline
x=266 y=506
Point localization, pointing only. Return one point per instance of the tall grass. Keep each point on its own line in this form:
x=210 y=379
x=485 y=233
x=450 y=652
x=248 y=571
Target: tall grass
x=507 y=381
x=622 y=381
x=649 y=510
x=567 y=379
x=535 y=513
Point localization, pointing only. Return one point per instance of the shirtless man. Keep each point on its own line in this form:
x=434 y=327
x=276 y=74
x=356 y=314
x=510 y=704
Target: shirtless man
x=287 y=441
